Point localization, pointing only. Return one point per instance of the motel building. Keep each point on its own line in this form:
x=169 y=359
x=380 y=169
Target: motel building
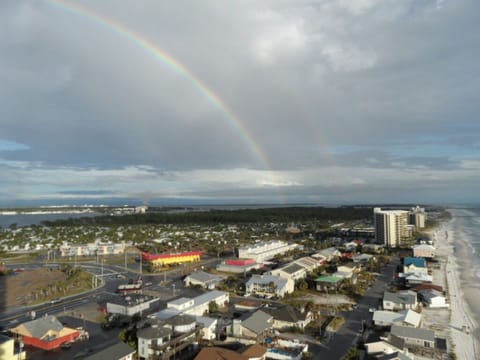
x=161 y=260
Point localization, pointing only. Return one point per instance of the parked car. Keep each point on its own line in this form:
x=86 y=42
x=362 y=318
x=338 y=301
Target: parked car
x=56 y=301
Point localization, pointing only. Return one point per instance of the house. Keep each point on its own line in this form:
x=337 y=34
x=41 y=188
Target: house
x=269 y=286
x=8 y=351
x=308 y=263
x=131 y=304
x=246 y=305
x=203 y=279
x=291 y=271
x=401 y=300
x=287 y=316
x=255 y=352
x=252 y=326
x=433 y=299
x=414 y=264
x=373 y=248
x=46 y=333
x=330 y=253
x=118 y=351
x=348 y=271
x=424 y=251
x=384 y=318
x=328 y=283
x=387 y=350
x=151 y=337
x=209 y=327
x=414 y=337
x=362 y=258
x=416 y=278
x=218 y=353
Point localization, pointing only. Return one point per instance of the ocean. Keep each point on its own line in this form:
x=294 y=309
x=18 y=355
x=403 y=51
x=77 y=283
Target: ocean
x=465 y=229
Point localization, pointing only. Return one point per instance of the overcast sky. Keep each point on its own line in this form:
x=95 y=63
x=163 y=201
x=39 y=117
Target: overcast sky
x=280 y=101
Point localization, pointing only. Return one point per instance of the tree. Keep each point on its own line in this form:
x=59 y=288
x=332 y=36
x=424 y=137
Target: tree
x=212 y=307
x=352 y=354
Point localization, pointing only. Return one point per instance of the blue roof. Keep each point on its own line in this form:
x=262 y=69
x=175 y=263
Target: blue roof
x=418 y=262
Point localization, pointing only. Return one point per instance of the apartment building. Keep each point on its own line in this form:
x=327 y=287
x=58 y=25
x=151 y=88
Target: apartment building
x=264 y=251
x=391 y=227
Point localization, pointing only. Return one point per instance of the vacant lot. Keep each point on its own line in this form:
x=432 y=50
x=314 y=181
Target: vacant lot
x=17 y=287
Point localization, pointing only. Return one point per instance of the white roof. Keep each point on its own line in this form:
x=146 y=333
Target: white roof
x=180 y=301
x=412 y=318
x=266 y=279
x=205 y=321
x=207 y=297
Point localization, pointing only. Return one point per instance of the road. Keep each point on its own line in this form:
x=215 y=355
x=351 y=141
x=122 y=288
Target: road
x=352 y=330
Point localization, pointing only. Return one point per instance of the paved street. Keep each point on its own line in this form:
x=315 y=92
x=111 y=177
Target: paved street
x=351 y=331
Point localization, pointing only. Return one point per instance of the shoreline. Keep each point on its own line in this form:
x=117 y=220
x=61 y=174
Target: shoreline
x=462 y=324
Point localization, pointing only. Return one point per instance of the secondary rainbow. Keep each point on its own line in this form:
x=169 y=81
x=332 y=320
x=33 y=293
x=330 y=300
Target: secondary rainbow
x=150 y=47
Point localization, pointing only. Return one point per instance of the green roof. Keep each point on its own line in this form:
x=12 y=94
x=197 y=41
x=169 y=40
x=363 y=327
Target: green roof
x=329 y=279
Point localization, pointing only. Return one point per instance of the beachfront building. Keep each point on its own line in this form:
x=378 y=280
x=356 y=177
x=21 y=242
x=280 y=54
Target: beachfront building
x=328 y=254
x=402 y=300
x=433 y=299
x=46 y=333
x=383 y=318
x=391 y=227
x=424 y=250
x=417 y=217
x=413 y=337
x=264 y=251
x=269 y=286
x=414 y=265
x=158 y=261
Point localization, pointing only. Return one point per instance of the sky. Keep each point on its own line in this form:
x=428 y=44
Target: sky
x=274 y=101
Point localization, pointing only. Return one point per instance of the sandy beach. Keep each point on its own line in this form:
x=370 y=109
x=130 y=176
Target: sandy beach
x=455 y=255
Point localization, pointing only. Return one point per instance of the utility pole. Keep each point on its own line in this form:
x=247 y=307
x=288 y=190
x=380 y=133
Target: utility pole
x=125 y=252
x=140 y=264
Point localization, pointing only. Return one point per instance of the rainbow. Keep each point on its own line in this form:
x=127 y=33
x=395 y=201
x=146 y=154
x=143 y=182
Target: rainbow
x=151 y=48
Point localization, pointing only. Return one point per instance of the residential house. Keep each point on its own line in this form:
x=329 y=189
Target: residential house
x=416 y=278
x=413 y=337
x=199 y=305
x=291 y=271
x=373 y=248
x=117 y=351
x=308 y=262
x=362 y=258
x=388 y=349
x=218 y=353
x=414 y=264
x=287 y=316
x=433 y=299
x=330 y=253
x=401 y=300
x=150 y=338
x=203 y=279
x=269 y=286
x=255 y=352
x=384 y=318
x=424 y=251
x=46 y=333
x=328 y=283
x=251 y=326
x=348 y=271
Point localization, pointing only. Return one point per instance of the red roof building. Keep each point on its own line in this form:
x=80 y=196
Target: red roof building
x=45 y=333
